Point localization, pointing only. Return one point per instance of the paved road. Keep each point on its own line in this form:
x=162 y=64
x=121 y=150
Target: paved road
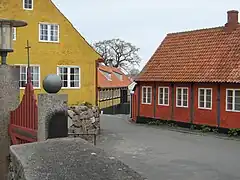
x=161 y=154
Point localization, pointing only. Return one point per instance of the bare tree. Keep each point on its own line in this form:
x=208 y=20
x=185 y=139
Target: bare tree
x=118 y=53
x=133 y=72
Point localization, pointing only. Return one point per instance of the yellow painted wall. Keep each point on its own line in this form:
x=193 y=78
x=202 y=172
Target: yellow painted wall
x=71 y=50
x=109 y=103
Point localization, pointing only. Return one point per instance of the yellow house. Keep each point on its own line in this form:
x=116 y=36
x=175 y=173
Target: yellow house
x=56 y=47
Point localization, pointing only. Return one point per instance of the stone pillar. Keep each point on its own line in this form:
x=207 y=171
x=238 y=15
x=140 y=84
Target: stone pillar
x=48 y=104
x=9 y=100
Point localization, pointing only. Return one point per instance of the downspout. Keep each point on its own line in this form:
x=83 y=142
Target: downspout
x=99 y=60
x=154 y=100
x=173 y=101
x=191 y=103
x=218 y=105
x=139 y=101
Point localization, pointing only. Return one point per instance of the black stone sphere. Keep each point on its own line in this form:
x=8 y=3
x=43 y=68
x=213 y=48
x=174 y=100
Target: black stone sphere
x=52 y=83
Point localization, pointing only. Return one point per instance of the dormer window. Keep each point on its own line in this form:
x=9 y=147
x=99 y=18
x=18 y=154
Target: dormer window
x=28 y=4
x=107 y=75
x=119 y=76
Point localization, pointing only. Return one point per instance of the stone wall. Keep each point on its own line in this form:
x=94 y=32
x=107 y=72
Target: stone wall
x=84 y=119
x=68 y=159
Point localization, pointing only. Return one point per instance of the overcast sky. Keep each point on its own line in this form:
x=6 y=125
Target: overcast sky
x=144 y=23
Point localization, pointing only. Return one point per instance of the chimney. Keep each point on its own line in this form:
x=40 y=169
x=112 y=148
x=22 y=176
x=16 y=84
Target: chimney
x=232 y=21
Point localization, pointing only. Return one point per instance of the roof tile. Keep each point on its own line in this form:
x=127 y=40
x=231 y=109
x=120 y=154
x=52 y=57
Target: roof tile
x=206 y=55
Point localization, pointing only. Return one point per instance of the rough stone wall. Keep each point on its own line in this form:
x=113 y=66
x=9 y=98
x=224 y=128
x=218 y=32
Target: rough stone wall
x=9 y=100
x=84 y=120
x=68 y=159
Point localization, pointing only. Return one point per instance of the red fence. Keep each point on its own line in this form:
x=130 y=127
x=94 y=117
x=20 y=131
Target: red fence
x=24 y=119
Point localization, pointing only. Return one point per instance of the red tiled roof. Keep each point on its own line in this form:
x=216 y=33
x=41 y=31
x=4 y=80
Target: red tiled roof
x=103 y=82
x=206 y=55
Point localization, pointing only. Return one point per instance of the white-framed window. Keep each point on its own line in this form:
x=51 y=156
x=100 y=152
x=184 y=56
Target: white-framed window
x=70 y=76
x=101 y=95
x=35 y=75
x=146 y=95
x=115 y=93
x=14 y=33
x=205 y=98
x=233 y=100
x=163 y=96
x=111 y=94
x=182 y=97
x=108 y=94
x=104 y=94
x=28 y=4
x=48 y=32
x=118 y=92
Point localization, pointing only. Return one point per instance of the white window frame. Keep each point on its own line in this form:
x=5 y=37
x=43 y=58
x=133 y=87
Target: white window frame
x=233 y=104
x=163 y=87
x=14 y=33
x=205 y=98
x=39 y=75
x=182 y=106
x=146 y=94
x=49 y=34
x=67 y=66
x=28 y=8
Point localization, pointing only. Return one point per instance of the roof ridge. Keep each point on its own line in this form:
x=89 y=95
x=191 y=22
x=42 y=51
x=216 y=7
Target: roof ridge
x=195 y=30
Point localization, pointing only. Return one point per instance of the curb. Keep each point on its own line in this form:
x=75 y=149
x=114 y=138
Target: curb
x=188 y=131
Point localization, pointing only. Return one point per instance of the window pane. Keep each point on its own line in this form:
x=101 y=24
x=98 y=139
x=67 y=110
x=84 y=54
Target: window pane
x=144 y=99
x=201 y=92
x=237 y=107
x=160 y=101
x=166 y=90
x=201 y=98
x=22 y=83
x=201 y=104
x=166 y=101
x=179 y=102
x=229 y=106
x=208 y=104
x=230 y=100
x=185 y=91
x=185 y=97
x=179 y=96
x=208 y=98
x=237 y=100
x=184 y=103
x=209 y=92
x=35 y=83
x=64 y=84
x=161 y=90
x=229 y=93
x=23 y=69
x=35 y=77
x=237 y=93
x=23 y=77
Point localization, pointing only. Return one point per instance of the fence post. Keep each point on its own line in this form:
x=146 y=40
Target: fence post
x=9 y=100
x=48 y=105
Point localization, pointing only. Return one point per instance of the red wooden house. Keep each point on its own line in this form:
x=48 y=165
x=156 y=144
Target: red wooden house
x=193 y=77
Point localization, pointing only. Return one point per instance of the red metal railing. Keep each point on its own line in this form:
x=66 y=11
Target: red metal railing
x=24 y=119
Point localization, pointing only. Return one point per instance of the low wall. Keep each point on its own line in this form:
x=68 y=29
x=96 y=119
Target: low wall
x=68 y=159
x=84 y=119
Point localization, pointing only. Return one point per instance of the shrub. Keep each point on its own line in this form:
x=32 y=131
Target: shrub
x=205 y=128
x=234 y=132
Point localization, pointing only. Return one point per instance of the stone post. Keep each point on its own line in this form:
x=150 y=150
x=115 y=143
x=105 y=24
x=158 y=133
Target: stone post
x=9 y=100
x=48 y=104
